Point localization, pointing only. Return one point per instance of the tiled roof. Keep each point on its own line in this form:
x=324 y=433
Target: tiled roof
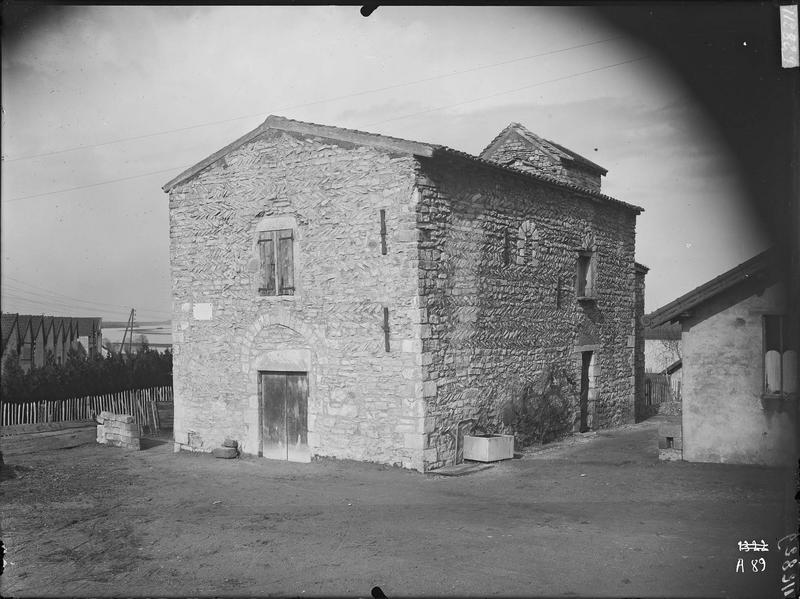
x=574 y=156
x=545 y=179
x=284 y=124
x=415 y=148
x=759 y=265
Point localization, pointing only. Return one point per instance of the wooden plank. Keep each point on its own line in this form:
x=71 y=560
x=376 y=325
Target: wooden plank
x=17 y=429
x=285 y=262
x=34 y=442
x=154 y=410
x=273 y=409
x=266 y=246
x=43 y=434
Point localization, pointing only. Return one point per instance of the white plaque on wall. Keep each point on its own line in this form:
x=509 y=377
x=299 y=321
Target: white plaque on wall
x=202 y=311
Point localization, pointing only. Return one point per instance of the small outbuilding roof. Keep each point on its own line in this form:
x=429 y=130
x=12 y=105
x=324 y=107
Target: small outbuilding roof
x=758 y=267
x=396 y=144
x=662 y=332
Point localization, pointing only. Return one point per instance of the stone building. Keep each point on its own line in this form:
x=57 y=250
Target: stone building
x=739 y=362
x=345 y=294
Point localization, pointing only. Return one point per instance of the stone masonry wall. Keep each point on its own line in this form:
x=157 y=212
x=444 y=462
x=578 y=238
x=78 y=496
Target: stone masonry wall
x=364 y=403
x=642 y=410
x=488 y=327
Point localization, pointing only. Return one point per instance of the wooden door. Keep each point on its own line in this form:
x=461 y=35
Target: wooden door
x=284 y=415
x=586 y=360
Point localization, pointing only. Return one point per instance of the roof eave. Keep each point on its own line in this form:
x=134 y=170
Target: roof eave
x=676 y=309
x=337 y=133
x=541 y=178
x=193 y=170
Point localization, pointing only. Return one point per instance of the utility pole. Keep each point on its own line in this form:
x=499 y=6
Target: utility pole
x=133 y=320
x=129 y=324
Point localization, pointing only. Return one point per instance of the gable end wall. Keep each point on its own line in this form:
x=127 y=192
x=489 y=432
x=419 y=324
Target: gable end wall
x=364 y=402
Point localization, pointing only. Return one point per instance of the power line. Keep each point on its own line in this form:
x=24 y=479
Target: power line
x=510 y=91
x=405 y=116
x=27 y=295
x=47 y=193
x=51 y=305
x=66 y=299
x=51 y=292
x=313 y=103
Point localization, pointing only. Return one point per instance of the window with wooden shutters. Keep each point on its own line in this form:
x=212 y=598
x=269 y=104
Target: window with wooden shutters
x=780 y=357
x=277 y=262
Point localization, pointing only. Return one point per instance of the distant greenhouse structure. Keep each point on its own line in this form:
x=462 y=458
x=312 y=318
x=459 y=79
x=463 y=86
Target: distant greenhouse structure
x=33 y=337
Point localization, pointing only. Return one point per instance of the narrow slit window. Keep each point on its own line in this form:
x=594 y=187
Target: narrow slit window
x=386 y=328
x=383 y=232
x=585 y=275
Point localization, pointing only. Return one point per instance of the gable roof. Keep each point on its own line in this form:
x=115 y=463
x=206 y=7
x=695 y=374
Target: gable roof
x=37 y=322
x=396 y=144
x=759 y=267
x=8 y=323
x=24 y=324
x=47 y=324
x=557 y=151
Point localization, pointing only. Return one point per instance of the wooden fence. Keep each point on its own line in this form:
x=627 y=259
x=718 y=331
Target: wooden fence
x=661 y=388
x=139 y=403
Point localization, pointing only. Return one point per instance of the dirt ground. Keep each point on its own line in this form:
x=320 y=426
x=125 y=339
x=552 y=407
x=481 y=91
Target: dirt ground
x=596 y=515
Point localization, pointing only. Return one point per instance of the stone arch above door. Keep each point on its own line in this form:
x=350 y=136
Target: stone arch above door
x=278 y=341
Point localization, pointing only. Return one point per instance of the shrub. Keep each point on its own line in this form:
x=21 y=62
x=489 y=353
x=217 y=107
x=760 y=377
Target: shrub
x=79 y=377
x=544 y=409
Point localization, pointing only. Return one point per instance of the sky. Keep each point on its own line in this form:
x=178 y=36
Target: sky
x=102 y=105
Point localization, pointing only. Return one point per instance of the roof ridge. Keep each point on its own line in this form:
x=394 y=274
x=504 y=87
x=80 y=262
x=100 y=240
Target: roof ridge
x=274 y=118
x=413 y=147
x=496 y=138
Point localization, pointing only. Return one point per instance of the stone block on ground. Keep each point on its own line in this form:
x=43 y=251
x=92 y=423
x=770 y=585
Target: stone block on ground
x=670 y=455
x=225 y=453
